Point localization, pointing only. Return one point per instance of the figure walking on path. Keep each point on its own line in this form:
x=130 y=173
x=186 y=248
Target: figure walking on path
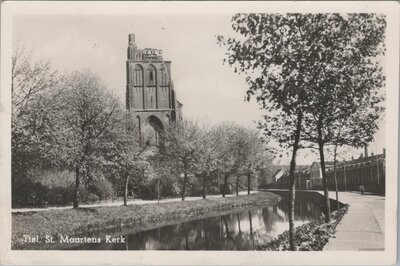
x=362 y=189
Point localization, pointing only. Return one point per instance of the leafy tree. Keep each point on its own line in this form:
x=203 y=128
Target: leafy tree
x=33 y=89
x=356 y=130
x=348 y=76
x=166 y=175
x=182 y=148
x=85 y=116
x=102 y=188
x=249 y=151
x=255 y=157
x=260 y=166
x=124 y=152
x=228 y=152
x=269 y=52
x=299 y=63
x=207 y=157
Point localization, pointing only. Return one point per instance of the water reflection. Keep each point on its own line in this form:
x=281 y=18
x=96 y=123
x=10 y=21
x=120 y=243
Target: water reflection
x=242 y=230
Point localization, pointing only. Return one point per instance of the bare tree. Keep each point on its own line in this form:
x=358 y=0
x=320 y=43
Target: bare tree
x=29 y=80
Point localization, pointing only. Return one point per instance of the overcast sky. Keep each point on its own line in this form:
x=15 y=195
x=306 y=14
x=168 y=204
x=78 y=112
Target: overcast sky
x=208 y=89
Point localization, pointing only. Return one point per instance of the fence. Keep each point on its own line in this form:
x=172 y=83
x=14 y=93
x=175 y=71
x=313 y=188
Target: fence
x=350 y=177
x=368 y=172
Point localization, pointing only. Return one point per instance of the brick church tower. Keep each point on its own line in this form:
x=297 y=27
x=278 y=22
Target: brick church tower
x=150 y=92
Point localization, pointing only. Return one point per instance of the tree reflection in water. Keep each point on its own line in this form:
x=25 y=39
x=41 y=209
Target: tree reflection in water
x=235 y=231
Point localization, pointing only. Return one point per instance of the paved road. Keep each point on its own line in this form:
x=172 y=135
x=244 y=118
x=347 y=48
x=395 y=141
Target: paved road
x=131 y=202
x=363 y=227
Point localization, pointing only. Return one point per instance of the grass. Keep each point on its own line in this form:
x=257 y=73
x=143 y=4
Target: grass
x=91 y=221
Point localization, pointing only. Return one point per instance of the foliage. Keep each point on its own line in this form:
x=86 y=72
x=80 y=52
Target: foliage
x=269 y=53
x=29 y=81
x=32 y=94
x=68 y=126
x=84 y=117
x=58 y=123
x=344 y=107
x=60 y=196
x=29 y=194
x=36 y=195
x=125 y=156
x=309 y=71
x=102 y=188
x=165 y=181
x=328 y=61
x=207 y=164
x=228 y=154
x=181 y=149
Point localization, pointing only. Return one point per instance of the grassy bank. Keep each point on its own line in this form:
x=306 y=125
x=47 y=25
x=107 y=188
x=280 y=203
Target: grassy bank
x=91 y=221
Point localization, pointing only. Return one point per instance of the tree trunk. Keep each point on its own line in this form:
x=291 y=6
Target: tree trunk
x=344 y=174
x=337 y=192
x=225 y=185
x=77 y=182
x=238 y=221
x=204 y=186
x=292 y=188
x=126 y=190
x=184 y=186
x=324 y=178
x=237 y=185
x=251 y=224
x=248 y=183
x=158 y=190
x=335 y=176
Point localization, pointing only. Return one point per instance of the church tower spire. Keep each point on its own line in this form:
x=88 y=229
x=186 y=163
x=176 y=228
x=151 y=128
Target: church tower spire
x=132 y=48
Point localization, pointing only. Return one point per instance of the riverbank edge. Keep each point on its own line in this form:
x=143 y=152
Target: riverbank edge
x=91 y=221
x=312 y=236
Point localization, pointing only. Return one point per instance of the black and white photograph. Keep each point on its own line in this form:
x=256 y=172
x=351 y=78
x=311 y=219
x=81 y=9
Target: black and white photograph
x=268 y=130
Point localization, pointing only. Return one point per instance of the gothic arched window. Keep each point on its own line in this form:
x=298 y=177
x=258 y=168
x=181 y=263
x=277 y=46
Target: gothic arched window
x=151 y=75
x=138 y=76
x=164 y=76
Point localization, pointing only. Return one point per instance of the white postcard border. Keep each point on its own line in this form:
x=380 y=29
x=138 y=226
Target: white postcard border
x=8 y=256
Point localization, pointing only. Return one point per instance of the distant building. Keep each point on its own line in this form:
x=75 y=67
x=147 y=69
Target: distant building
x=277 y=174
x=315 y=169
x=150 y=92
x=368 y=171
x=315 y=180
x=282 y=176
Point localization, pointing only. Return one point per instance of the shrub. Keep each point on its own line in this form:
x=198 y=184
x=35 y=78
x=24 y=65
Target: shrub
x=102 y=188
x=60 y=196
x=30 y=194
x=92 y=197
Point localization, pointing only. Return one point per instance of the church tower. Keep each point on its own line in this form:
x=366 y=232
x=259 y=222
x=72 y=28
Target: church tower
x=150 y=93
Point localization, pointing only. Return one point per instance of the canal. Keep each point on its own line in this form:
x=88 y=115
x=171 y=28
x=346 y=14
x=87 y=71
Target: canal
x=238 y=230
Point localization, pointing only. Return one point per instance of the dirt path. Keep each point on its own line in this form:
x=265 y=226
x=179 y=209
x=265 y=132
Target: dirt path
x=119 y=203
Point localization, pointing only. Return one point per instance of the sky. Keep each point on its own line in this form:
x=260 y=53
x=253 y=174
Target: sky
x=209 y=90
